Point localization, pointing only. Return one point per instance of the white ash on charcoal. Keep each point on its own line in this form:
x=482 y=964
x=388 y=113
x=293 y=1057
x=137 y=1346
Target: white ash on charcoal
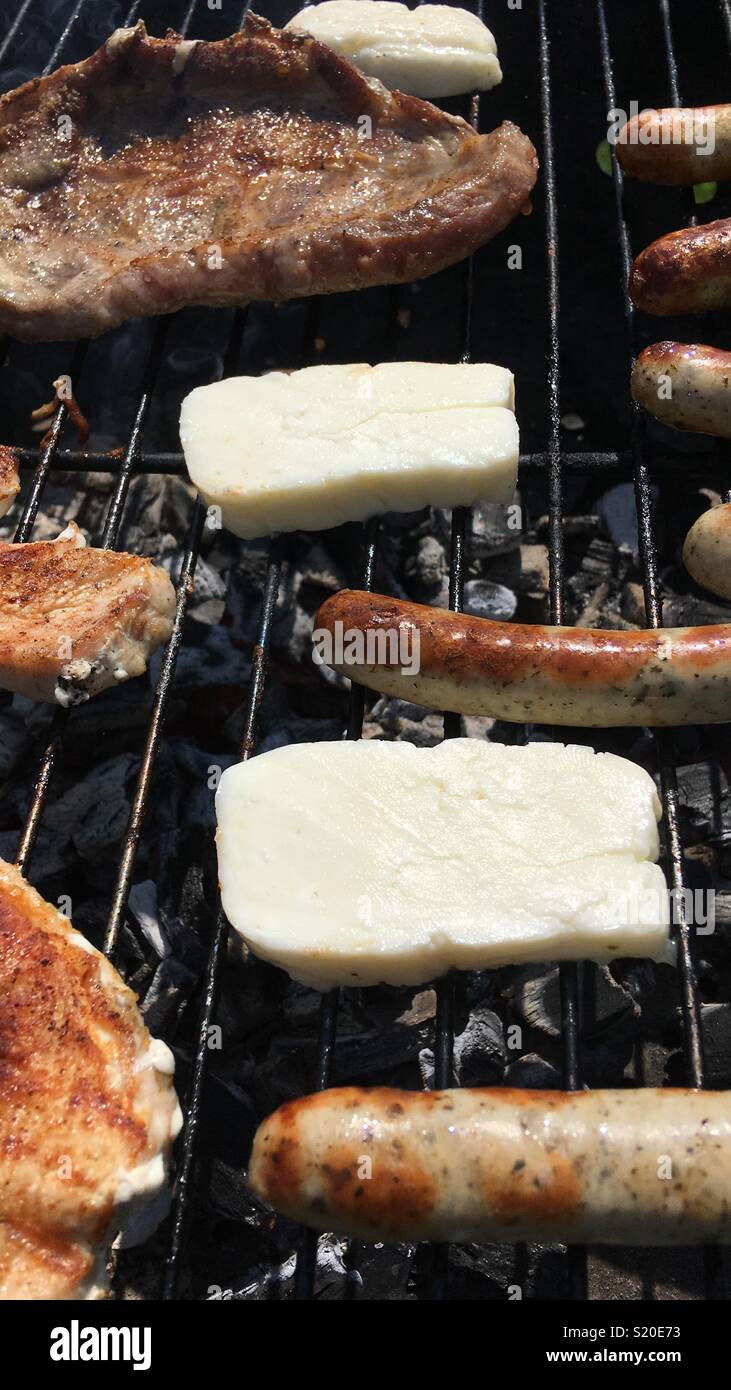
x=479 y=1052
x=394 y=719
x=524 y=572
x=428 y=571
x=489 y=600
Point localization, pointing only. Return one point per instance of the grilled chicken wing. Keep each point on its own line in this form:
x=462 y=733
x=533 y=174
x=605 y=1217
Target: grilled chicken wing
x=164 y=172
x=75 y=620
x=87 y=1105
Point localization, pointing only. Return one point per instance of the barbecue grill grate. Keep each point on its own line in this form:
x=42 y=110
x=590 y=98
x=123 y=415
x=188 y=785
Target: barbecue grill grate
x=553 y=463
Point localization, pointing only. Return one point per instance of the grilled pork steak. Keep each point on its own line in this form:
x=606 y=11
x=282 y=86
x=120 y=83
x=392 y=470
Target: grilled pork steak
x=163 y=172
x=87 y=1106
x=75 y=620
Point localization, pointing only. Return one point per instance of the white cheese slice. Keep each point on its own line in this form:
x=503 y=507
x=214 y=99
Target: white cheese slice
x=361 y=863
x=324 y=445
x=432 y=51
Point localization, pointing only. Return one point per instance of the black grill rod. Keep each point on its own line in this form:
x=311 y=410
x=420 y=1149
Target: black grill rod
x=113 y=519
x=132 y=454
x=12 y=31
x=305 y=1271
x=48 y=452
x=306 y=1265
x=670 y=58
x=186 y=584
x=152 y=461
x=690 y=1000
x=52 y=750
x=40 y=791
x=712 y=1259
x=568 y=971
x=356 y=707
x=444 y=1024
x=445 y=986
x=63 y=36
x=47 y=455
x=22 y=533
x=193 y=1104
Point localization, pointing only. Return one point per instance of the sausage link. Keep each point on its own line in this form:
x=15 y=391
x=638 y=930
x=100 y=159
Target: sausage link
x=687 y=385
x=621 y=1167
x=529 y=673
x=685 y=272
x=662 y=146
x=707 y=550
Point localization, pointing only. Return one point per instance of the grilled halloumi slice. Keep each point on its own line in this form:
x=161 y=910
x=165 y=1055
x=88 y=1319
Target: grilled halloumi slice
x=325 y=445
x=432 y=51
x=87 y=1106
x=75 y=620
x=374 y=862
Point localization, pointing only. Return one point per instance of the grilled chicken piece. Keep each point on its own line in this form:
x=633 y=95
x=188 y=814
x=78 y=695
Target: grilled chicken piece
x=87 y=1106
x=164 y=172
x=74 y=620
x=9 y=478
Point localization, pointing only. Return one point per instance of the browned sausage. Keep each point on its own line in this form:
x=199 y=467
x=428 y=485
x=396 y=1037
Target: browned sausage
x=530 y=673
x=663 y=146
x=687 y=385
x=649 y=1167
x=685 y=272
x=707 y=550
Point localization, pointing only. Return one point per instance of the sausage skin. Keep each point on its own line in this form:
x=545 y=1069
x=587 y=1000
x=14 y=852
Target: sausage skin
x=707 y=550
x=649 y=1167
x=685 y=272
x=698 y=379
x=529 y=673
x=648 y=150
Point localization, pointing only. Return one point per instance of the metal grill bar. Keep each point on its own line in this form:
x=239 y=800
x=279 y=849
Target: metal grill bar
x=47 y=454
x=191 y=1129
x=113 y=521
x=159 y=706
x=14 y=27
x=690 y=1002
x=578 y=462
x=552 y=462
x=568 y=971
x=306 y=1265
